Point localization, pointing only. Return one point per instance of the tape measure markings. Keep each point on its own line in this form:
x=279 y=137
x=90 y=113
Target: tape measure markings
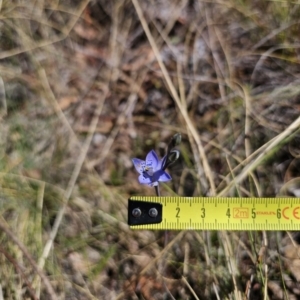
x=212 y=213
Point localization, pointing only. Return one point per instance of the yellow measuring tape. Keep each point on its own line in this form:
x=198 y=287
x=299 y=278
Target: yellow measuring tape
x=213 y=213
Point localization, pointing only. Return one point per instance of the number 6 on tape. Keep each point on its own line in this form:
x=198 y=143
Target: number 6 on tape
x=213 y=213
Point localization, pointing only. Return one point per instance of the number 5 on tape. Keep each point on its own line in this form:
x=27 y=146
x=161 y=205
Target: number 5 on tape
x=213 y=213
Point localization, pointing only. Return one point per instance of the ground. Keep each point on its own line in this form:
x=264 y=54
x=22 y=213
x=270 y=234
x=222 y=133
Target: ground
x=85 y=86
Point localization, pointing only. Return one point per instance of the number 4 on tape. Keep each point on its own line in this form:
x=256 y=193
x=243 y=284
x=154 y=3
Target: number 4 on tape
x=213 y=213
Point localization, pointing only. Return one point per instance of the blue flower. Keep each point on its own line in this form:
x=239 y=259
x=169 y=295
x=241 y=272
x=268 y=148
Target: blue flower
x=151 y=170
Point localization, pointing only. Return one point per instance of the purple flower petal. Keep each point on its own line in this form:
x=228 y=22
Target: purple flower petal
x=162 y=162
x=164 y=177
x=144 y=180
x=139 y=165
x=161 y=175
x=152 y=160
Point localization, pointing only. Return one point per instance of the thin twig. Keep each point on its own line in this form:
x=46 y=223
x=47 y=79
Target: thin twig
x=36 y=268
x=189 y=287
x=72 y=181
x=64 y=34
x=281 y=138
x=21 y=272
x=39 y=216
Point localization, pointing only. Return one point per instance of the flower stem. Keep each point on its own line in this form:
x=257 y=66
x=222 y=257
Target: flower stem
x=157 y=190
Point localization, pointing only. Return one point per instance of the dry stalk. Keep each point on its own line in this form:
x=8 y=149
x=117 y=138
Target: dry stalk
x=263 y=152
x=110 y=140
x=209 y=262
x=64 y=34
x=54 y=103
x=25 y=252
x=267 y=54
x=72 y=181
x=231 y=262
x=38 y=222
x=272 y=34
x=3 y=104
x=200 y=172
x=19 y=270
x=162 y=253
x=233 y=176
x=215 y=55
x=114 y=222
x=293 y=243
x=183 y=279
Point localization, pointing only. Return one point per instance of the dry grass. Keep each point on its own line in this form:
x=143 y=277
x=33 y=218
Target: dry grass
x=87 y=85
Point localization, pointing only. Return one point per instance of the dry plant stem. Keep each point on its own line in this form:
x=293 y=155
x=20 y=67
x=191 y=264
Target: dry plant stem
x=114 y=57
x=243 y=245
x=241 y=162
x=268 y=54
x=272 y=34
x=186 y=269
x=53 y=102
x=40 y=200
x=3 y=105
x=233 y=176
x=72 y=181
x=36 y=268
x=216 y=58
x=282 y=268
x=216 y=291
x=132 y=99
x=161 y=254
x=259 y=151
x=115 y=48
x=227 y=53
x=181 y=84
x=183 y=111
x=230 y=262
x=280 y=138
x=23 y=178
x=247 y=139
x=64 y=34
x=201 y=174
x=114 y=61
x=175 y=15
x=186 y=259
x=209 y=262
x=20 y=271
x=84 y=291
x=265 y=266
x=247 y=123
x=248 y=152
x=293 y=243
x=109 y=142
x=189 y=287
x=266 y=285
x=114 y=222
